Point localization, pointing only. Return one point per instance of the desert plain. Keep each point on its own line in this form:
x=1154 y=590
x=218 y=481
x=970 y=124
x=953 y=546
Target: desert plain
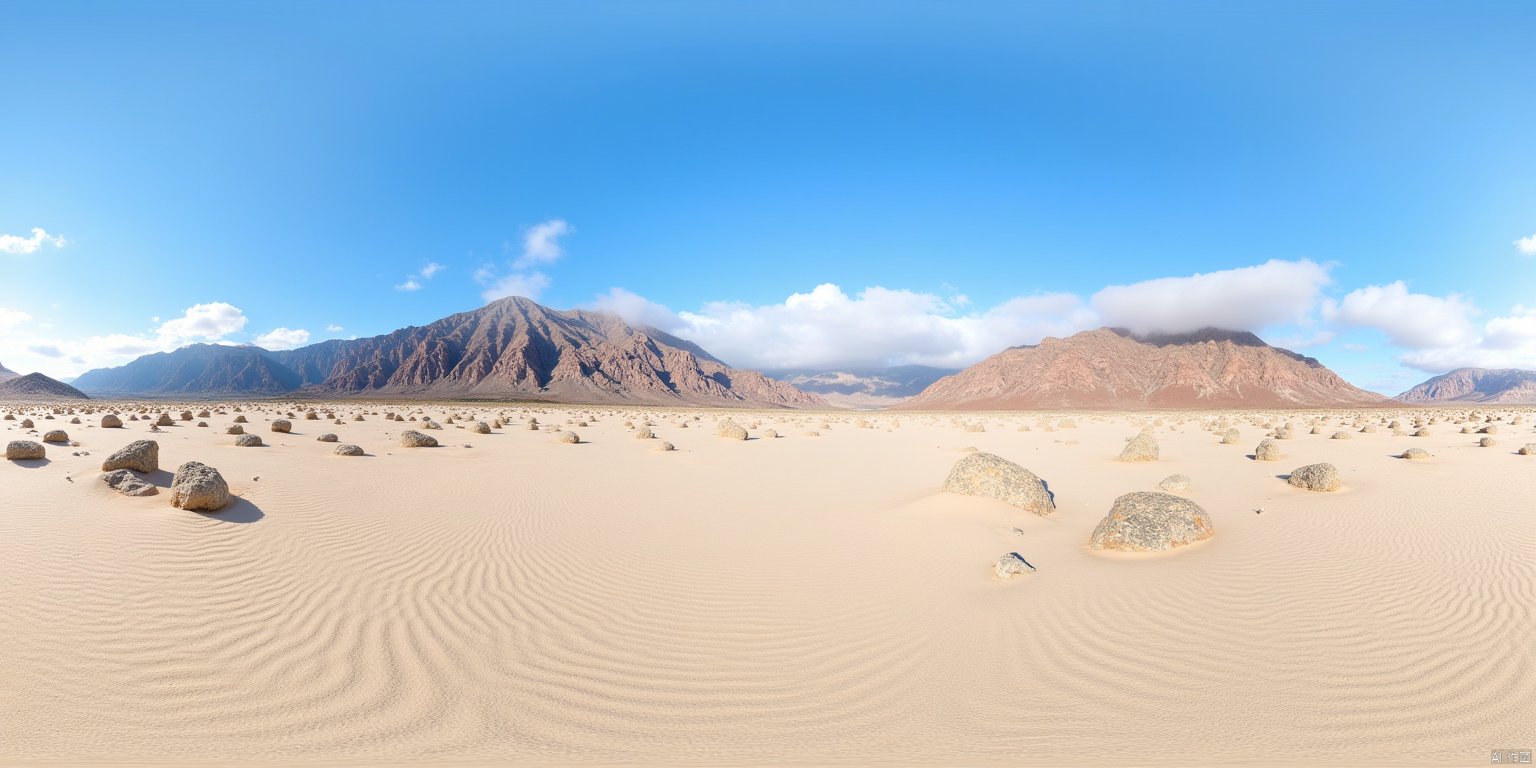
x=814 y=597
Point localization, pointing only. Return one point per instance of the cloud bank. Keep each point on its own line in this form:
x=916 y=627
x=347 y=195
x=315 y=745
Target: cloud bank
x=18 y=245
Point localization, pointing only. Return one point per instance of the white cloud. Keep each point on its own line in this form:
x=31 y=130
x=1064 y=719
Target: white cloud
x=410 y=284
x=16 y=244
x=334 y=328
x=1410 y=320
x=541 y=244
x=10 y=318
x=529 y=284
x=1526 y=245
x=1244 y=299
x=207 y=322
x=45 y=350
x=431 y=269
x=827 y=328
x=282 y=338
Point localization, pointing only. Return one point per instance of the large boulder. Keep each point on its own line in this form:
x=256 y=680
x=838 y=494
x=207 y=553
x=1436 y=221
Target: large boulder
x=22 y=450
x=248 y=441
x=480 y=428
x=282 y=425
x=111 y=421
x=1315 y=477
x=1149 y=521
x=1142 y=447
x=56 y=436
x=413 y=439
x=1268 y=450
x=199 y=487
x=139 y=456
x=124 y=481
x=993 y=477
x=731 y=430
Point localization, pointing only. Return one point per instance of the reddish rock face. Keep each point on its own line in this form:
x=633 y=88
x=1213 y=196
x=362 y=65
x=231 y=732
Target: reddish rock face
x=516 y=348
x=1476 y=385
x=1112 y=368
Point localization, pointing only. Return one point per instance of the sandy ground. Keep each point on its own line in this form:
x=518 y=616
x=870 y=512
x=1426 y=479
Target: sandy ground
x=802 y=600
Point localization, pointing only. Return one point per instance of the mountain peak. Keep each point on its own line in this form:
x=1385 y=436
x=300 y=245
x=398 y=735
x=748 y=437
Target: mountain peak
x=1511 y=386
x=36 y=386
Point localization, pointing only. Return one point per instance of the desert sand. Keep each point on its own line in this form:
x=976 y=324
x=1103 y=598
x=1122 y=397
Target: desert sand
x=800 y=599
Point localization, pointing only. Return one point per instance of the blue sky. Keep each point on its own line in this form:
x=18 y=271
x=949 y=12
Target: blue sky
x=956 y=177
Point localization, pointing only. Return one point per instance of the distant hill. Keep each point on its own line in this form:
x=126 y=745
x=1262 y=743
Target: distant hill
x=36 y=386
x=1510 y=386
x=6 y=373
x=863 y=387
x=511 y=348
x=198 y=370
x=1113 y=368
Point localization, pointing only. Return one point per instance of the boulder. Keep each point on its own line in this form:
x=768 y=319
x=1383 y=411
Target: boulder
x=1175 y=483
x=111 y=421
x=570 y=438
x=199 y=487
x=282 y=425
x=644 y=433
x=56 y=436
x=731 y=430
x=1315 y=477
x=1417 y=454
x=235 y=429
x=139 y=456
x=248 y=441
x=1010 y=565
x=664 y=446
x=1529 y=449
x=413 y=439
x=480 y=428
x=1142 y=447
x=22 y=450
x=1149 y=521
x=993 y=477
x=327 y=438
x=1268 y=450
x=124 y=481
x=348 y=450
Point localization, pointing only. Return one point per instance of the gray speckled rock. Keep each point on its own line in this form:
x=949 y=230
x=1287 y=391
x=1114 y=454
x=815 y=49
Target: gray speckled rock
x=282 y=425
x=644 y=433
x=1268 y=450
x=139 y=456
x=248 y=441
x=1487 y=442
x=993 y=477
x=1010 y=565
x=1417 y=454
x=1230 y=437
x=1149 y=521
x=348 y=450
x=480 y=428
x=21 y=450
x=413 y=439
x=235 y=429
x=111 y=421
x=124 y=481
x=1142 y=447
x=1175 y=483
x=56 y=436
x=731 y=430
x=327 y=438
x=1315 y=477
x=199 y=487
x=570 y=438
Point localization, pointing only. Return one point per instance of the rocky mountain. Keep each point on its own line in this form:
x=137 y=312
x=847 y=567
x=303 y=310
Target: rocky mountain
x=6 y=373
x=863 y=387
x=1476 y=385
x=35 y=386
x=1113 y=368
x=509 y=349
x=198 y=370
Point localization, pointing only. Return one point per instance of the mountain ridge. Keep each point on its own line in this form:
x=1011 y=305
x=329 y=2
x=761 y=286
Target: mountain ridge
x=1512 y=386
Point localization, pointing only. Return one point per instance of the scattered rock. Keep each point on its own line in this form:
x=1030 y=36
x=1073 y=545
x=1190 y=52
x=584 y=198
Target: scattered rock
x=21 y=450
x=111 y=421
x=1268 y=450
x=1149 y=521
x=1315 y=477
x=1142 y=447
x=348 y=450
x=327 y=438
x=570 y=438
x=731 y=430
x=1417 y=454
x=56 y=436
x=413 y=439
x=124 y=481
x=139 y=456
x=282 y=425
x=993 y=477
x=1487 y=442
x=248 y=441
x=481 y=428
x=1175 y=483
x=199 y=487
x=1011 y=565
x=664 y=446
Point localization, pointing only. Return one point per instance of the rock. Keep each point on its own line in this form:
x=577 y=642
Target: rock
x=1529 y=449
x=21 y=450
x=481 y=428
x=56 y=436
x=1415 y=454
x=235 y=429
x=240 y=419
x=124 y=481
x=111 y=421
x=199 y=487
x=282 y=425
x=1315 y=477
x=248 y=441
x=1142 y=447
x=644 y=433
x=1268 y=450
x=1175 y=483
x=731 y=430
x=1487 y=442
x=1149 y=521
x=993 y=477
x=348 y=450
x=771 y=434
x=1230 y=436
x=664 y=446
x=1340 y=436
x=1010 y=565
x=139 y=456
x=569 y=437
x=413 y=439
x=326 y=438
x=26 y=424
x=164 y=420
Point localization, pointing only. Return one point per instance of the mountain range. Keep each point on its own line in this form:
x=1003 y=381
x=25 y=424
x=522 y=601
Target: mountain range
x=36 y=386
x=511 y=348
x=1507 y=386
x=863 y=387
x=1114 y=368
